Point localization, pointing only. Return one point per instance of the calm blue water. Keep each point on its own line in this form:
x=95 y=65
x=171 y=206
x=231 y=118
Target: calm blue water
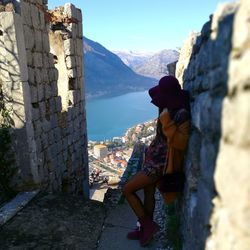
x=111 y=117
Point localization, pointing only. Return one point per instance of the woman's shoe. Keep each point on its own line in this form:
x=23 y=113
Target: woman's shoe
x=149 y=228
x=136 y=234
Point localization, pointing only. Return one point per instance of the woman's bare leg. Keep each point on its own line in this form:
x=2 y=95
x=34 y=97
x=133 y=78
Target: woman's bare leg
x=139 y=181
x=149 y=200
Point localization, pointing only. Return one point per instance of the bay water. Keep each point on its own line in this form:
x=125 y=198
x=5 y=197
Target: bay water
x=111 y=117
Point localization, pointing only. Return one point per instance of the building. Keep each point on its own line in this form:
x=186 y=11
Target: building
x=117 y=139
x=100 y=151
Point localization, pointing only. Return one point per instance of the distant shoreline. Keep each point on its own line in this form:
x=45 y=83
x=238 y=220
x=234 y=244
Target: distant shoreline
x=90 y=97
x=111 y=117
x=133 y=127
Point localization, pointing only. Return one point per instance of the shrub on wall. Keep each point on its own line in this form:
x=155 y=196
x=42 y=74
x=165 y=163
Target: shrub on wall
x=7 y=169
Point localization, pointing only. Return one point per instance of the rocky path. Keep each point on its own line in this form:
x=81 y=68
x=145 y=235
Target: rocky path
x=66 y=222
x=54 y=222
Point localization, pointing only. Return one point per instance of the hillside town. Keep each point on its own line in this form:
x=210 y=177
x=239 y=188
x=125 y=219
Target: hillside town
x=108 y=159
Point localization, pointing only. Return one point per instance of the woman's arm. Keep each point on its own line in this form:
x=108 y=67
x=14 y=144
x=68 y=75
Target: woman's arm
x=177 y=134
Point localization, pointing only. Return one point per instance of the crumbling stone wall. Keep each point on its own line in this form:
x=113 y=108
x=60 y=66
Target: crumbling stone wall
x=48 y=110
x=213 y=67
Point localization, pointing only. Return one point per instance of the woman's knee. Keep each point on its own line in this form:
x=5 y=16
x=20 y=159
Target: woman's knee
x=126 y=190
x=139 y=181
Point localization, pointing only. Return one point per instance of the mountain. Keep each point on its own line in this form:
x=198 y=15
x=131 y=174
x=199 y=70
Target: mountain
x=150 y=65
x=133 y=58
x=106 y=75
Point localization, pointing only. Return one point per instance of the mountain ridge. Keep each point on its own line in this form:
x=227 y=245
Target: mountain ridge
x=106 y=75
x=149 y=64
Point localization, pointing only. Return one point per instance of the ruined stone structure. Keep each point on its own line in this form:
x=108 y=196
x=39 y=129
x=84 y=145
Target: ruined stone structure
x=41 y=71
x=214 y=68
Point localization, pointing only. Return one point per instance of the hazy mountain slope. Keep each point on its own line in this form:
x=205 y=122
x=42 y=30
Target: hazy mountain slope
x=133 y=58
x=150 y=65
x=106 y=74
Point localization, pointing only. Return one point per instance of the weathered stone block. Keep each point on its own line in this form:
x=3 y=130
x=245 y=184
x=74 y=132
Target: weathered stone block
x=53 y=74
x=200 y=65
x=54 y=88
x=45 y=75
x=38 y=59
x=13 y=38
x=222 y=17
x=70 y=137
x=51 y=138
x=69 y=47
x=79 y=60
x=72 y=73
x=18 y=109
x=38 y=76
x=48 y=91
x=42 y=108
x=239 y=72
x=37 y=134
x=208 y=155
x=51 y=60
x=57 y=134
x=70 y=62
x=201 y=112
x=80 y=85
x=41 y=159
x=41 y=92
x=79 y=72
x=38 y=41
x=33 y=94
x=42 y=20
x=185 y=55
x=35 y=16
x=45 y=2
x=46 y=60
x=70 y=10
x=215 y=122
x=46 y=45
x=52 y=104
x=72 y=97
x=54 y=121
x=80 y=31
x=241 y=37
x=29 y=57
x=58 y=104
x=44 y=140
x=45 y=124
x=29 y=37
x=79 y=47
x=25 y=12
x=31 y=76
x=56 y=73
x=239 y=107
x=226 y=172
x=79 y=15
x=73 y=28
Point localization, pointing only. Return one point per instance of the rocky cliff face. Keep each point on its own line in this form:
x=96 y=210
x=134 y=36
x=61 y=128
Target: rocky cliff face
x=213 y=67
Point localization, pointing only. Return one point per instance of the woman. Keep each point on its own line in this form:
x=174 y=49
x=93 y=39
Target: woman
x=164 y=155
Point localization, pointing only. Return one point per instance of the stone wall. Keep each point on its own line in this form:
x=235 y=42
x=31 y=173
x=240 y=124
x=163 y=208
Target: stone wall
x=48 y=103
x=213 y=67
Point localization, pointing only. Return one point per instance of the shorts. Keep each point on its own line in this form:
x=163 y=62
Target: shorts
x=155 y=159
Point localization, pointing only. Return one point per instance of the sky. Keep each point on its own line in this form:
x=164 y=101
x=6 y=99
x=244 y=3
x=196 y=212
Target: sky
x=142 y=25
